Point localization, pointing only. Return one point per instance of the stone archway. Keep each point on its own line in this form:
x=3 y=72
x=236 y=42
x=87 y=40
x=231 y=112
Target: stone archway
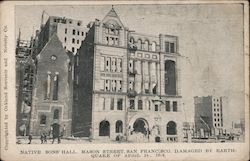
x=104 y=128
x=140 y=126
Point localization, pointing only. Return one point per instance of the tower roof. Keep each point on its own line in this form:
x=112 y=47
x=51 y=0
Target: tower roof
x=112 y=12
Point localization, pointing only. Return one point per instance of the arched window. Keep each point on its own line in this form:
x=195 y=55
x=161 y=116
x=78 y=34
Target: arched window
x=153 y=46
x=104 y=128
x=171 y=128
x=56 y=114
x=146 y=45
x=139 y=44
x=43 y=120
x=132 y=40
x=118 y=126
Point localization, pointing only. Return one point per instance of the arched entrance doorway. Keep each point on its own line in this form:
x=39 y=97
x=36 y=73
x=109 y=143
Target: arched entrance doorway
x=140 y=126
x=171 y=128
x=104 y=128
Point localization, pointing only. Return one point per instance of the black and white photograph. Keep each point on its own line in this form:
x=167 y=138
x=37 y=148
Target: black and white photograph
x=123 y=74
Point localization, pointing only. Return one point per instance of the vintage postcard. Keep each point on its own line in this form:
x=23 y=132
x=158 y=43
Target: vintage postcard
x=124 y=80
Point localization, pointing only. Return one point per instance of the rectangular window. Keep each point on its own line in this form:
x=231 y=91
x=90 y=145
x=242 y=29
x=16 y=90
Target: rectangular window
x=131 y=85
x=107 y=40
x=113 y=85
x=78 y=33
x=172 y=47
x=74 y=32
x=108 y=64
x=107 y=85
x=175 y=106
x=113 y=65
x=131 y=66
x=82 y=33
x=119 y=104
x=140 y=105
x=132 y=104
x=73 y=49
x=167 y=49
x=116 y=41
x=73 y=41
x=156 y=108
x=66 y=31
x=119 y=86
x=48 y=84
x=112 y=104
x=102 y=60
x=119 y=65
x=167 y=105
x=55 y=89
x=65 y=39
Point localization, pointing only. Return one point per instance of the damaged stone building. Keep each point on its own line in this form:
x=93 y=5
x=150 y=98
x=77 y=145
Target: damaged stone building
x=127 y=84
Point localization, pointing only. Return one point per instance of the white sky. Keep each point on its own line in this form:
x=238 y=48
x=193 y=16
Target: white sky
x=210 y=41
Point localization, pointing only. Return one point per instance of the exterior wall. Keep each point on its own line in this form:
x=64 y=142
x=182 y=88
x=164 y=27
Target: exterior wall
x=83 y=86
x=79 y=36
x=42 y=105
x=59 y=25
x=112 y=43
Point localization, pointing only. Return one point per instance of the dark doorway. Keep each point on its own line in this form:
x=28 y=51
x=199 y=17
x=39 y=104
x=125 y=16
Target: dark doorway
x=157 y=139
x=56 y=130
x=104 y=128
x=140 y=125
x=171 y=128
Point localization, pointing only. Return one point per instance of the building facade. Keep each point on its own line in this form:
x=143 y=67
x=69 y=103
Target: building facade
x=209 y=115
x=127 y=84
x=69 y=31
x=52 y=92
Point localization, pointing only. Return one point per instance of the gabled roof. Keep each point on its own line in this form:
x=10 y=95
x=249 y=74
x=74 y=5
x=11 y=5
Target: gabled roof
x=112 y=15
